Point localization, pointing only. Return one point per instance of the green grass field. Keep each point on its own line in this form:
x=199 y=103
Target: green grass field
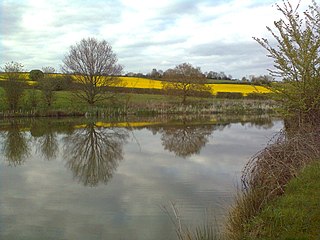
x=296 y=214
x=66 y=100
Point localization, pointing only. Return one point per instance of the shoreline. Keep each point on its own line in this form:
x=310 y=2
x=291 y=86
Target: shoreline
x=265 y=181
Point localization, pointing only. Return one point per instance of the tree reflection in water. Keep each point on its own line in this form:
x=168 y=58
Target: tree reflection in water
x=185 y=140
x=45 y=134
x=15 y=145
x=93 y=153
x=188 y=138
x=49 y=145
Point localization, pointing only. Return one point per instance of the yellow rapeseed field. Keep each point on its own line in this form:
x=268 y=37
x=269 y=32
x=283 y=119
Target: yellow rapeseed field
x=241 y=88
x=119 y=124
x=135 y=82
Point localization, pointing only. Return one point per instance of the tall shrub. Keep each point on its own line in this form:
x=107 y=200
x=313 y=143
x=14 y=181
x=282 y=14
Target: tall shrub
x=296 y=60
x=13 y=87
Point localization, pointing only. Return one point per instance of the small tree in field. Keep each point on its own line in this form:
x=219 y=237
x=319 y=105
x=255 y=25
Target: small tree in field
x=13 y=87
x=185 y=81
x=94 y=65
x=47 y=86
x=36 y=74
x=297 y=60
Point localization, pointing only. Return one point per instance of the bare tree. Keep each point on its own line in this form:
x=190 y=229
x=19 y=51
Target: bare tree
x=94 y=65
x=13 y=70
x=48 y=69
x=155 y=74
x=185 y=80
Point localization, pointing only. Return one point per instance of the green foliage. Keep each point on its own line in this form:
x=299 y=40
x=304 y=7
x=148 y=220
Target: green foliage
x=33 y=98
x=47 y=86
x=13 y=88
x=2 y=100
x=297 y=60
x=63 y=83
x=36 y=75
x=13 y=93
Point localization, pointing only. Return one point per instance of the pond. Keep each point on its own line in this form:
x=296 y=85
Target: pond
x=112 y=179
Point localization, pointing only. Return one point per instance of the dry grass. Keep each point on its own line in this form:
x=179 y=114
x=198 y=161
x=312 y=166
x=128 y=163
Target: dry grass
x=266 y=175
x=209 y=230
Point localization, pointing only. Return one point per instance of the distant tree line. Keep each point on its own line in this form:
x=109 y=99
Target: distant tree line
x=160 y=74
x=265 y=80
x=211 y=75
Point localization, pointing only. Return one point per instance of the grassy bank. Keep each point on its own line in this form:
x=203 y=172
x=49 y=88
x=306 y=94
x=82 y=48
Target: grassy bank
x=277 y=201
x=294 y=215
x=65 y=103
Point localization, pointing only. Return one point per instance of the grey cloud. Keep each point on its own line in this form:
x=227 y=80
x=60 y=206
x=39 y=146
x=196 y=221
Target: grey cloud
x=188 y=7
x=146 y=44
x=10 y=19
x=238 y=59
x=237 y=66
x=159 y=24
x=258 y=3
x=181 y=8
x=169 y=15
x=89 y=15
x=37 y=48
x=225 y=49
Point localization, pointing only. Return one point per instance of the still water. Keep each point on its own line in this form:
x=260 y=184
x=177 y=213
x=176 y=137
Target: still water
x=99 y=179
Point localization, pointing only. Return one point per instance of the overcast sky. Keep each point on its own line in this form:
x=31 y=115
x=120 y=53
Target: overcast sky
x=145 y=34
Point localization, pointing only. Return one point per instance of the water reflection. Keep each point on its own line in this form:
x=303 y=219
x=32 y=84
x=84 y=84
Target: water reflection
x=15 y=144
x=185 y=140
x=187 y=135
x=145 y=174
x=93 y=153
x=45 y=135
